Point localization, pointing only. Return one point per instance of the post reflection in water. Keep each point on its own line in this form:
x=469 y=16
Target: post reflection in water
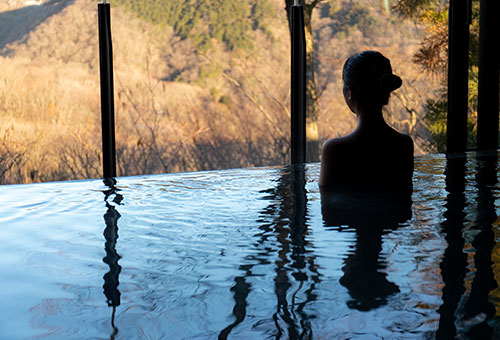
x=453 y=266
x=371 y=216
x=111 y=278
x=478 y=304
x=293 y=254
x=468 y=313
x=283 y=222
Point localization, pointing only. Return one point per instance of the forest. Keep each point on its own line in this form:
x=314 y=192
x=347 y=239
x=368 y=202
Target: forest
x=204 y=84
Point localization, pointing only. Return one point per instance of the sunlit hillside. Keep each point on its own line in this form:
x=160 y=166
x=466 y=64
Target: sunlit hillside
x=184 y=101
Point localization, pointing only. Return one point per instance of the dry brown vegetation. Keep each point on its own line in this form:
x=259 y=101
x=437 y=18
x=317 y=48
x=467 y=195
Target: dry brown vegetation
x=176 y=109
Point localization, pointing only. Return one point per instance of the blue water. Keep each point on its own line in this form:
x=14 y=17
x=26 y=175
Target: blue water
x=248 y=254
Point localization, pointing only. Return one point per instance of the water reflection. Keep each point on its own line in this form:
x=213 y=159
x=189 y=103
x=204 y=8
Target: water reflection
x=283 y=223
x=293 y=254
x=371 y=216
x=478 y=303
x=296 y=277
x=453 y=265
x=111 y=281
x=466 y=309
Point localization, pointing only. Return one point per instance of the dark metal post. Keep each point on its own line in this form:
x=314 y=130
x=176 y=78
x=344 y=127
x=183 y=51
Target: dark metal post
x=458 y=75
x=107 y=97
x=298 y=83
x=489 y=62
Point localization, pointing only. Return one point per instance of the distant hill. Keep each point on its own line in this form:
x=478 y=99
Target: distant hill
x=196 y=87
x=8 y=5
x=228 y=21
x=18 y=18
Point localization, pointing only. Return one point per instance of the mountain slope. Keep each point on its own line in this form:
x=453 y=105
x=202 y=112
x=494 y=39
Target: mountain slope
x=178 y=106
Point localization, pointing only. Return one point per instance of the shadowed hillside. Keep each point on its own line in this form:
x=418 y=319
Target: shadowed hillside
x=16 y=24
x=184 y=101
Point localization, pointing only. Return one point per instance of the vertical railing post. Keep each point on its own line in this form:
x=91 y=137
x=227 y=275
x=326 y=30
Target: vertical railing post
x=107 y=96
x=458 y=75
x=298 y=85
x=489 y=70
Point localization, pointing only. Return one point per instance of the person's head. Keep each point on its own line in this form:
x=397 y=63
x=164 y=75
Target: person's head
x=368 y=80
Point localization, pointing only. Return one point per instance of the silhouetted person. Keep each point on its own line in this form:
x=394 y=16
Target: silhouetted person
x=374 y=157
x=366 y=178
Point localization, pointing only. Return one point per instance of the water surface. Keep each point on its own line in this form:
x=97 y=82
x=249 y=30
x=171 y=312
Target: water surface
x=249 y=254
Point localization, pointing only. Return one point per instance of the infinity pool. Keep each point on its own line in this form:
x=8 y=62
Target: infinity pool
x=250 y=254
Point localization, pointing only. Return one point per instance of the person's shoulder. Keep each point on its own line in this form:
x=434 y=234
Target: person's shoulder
x=406 y=151
x=404 y=140
x=407 y=141
x=332 y=159
x=336 y=143
x=335 y=148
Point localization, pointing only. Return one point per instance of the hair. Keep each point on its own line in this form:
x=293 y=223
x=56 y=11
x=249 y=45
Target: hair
x=369 y=75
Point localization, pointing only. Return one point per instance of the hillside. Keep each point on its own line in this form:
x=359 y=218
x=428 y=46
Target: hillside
x=182 y=102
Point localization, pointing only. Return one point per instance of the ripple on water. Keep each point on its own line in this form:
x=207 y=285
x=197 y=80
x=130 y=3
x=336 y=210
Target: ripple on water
x=221 y=252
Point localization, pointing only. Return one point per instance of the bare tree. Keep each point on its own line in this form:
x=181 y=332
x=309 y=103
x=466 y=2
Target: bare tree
x=12 y=159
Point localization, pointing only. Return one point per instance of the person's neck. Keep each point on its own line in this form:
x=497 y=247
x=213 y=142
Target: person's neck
x=371 y=119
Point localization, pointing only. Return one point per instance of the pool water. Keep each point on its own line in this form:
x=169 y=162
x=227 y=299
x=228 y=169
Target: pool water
x=251 y=254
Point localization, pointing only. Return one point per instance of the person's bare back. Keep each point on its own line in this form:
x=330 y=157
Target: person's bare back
x=374 y=157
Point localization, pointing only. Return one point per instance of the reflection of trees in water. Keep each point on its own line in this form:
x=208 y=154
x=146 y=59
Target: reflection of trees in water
x=470 y=312
x=111 y=278
x=285 y=219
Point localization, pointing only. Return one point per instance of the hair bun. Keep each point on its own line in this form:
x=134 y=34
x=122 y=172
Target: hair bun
x=390 y=82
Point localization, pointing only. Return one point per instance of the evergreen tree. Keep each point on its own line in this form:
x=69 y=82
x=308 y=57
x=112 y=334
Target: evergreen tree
x=228 y=21
x=433 y=58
